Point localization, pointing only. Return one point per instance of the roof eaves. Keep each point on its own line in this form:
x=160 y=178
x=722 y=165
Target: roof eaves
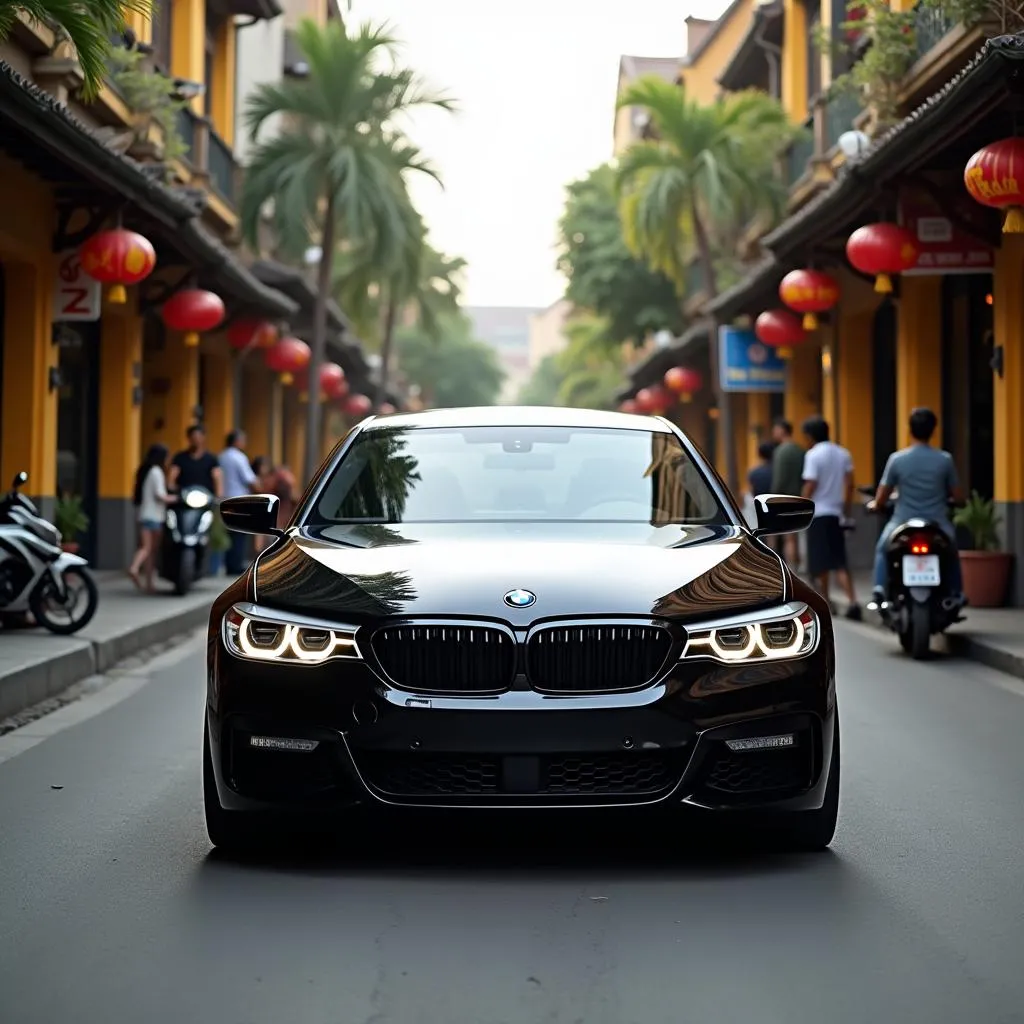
x=901 y=145
x=730 y=76
x=75 y=143
x=846 y=197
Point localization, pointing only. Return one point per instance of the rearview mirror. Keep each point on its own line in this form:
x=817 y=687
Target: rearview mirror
x=251 y=513
x=782 y=513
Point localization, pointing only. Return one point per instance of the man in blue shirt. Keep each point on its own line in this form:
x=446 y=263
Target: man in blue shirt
x=239 y=479
x=925 y=481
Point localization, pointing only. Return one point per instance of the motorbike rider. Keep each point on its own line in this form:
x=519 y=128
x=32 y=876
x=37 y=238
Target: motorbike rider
x=925 y=480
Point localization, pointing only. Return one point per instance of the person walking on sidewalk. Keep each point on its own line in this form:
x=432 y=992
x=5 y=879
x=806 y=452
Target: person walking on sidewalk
x=239 y=479
x=925 y=480
x=150 y=499
x=828 y=481
x=787 y=478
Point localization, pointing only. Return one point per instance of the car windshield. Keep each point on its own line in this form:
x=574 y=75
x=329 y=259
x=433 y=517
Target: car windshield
x=501 y=474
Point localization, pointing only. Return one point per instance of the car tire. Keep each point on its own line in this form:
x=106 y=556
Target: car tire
x=812 y=831
x=229 y=831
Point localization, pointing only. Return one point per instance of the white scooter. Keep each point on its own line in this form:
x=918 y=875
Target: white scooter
x=36 y=574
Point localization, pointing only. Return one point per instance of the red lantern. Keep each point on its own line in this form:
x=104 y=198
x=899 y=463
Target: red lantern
x=683 y=381
x=243 y=334
x=387 y=409
x=881 y=250
x=332 y=383
x=653 y=400
x=358 y=406
x=809 y=292
x=118 y=258
x=779 y=329
x=994 y=176
x=193 y=311
x=629 y=405
x=287 y=357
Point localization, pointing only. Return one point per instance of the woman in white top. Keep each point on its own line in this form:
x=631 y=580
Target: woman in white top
x=151 y=500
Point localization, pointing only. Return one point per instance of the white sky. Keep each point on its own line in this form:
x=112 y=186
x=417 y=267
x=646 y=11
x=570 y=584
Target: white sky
x=535 y=80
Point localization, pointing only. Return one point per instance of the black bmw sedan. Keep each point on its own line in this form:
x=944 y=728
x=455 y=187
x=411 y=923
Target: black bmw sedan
x=520 y=608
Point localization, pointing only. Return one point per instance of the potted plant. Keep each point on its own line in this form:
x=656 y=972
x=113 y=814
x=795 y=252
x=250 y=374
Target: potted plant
x=986 y=569
x=71 y=520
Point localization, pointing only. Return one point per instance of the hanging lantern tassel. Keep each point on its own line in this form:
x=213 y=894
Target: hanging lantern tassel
x=686 y=397
x=304 y=397
x=883 y=284
x=287 y=379
x=784 y=352
x=810 y=322
x=118 y=295
x=191 y=339
x=1014 y=223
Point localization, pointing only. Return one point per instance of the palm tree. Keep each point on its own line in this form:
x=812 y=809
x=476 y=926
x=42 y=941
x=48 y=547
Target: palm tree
x=335 y=172
x=708 y=171
x=422 y=289
x=89 y=25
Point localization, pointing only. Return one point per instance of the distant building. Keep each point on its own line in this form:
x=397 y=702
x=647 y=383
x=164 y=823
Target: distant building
x=631 y=123
x=547 y=332
x=507 y=330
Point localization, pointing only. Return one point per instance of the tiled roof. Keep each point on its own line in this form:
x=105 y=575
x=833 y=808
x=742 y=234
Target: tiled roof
x=74 y=144
x=890 y=154
x=653 y=368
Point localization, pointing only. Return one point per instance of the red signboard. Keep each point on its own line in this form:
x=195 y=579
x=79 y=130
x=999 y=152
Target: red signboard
x=944 y=247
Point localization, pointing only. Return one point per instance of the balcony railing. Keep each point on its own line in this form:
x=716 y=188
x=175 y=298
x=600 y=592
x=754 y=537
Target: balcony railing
x=221 y=166
x=799 y=155
x=930 y=27
x=186 y=123
x=840 y=112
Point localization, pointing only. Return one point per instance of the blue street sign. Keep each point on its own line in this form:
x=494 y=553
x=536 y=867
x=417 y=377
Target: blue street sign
x=745 y=364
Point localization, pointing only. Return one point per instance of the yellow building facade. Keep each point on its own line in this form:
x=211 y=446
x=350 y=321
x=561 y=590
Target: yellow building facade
x=86 y=385
x=951 y=335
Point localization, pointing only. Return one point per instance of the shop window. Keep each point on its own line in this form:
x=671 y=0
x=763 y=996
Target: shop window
x=161 y=34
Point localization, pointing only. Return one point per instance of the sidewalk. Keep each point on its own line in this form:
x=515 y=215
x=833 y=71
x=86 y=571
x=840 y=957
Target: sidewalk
x=36 y=665
x=992 y=636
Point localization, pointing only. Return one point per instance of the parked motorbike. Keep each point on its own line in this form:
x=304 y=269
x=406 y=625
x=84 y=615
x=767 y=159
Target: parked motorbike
x=919 y=601
x=185 y=537
x=36 y=574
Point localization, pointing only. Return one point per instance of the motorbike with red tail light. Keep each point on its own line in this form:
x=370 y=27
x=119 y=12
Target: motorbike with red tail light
x=919 y=601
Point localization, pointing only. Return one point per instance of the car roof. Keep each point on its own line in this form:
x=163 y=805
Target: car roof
x=521 y=416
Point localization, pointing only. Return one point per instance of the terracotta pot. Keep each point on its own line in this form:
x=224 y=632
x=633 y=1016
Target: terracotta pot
x=70 y=546
x=986 y=575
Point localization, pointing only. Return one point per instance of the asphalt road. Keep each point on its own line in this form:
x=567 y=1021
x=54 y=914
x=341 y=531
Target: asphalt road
x=113 y=910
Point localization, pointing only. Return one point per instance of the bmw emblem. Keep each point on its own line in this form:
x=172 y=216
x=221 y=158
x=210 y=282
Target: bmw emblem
x=520 y=599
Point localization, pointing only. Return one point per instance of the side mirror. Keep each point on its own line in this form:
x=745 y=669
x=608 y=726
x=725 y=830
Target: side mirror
x=782 y=513
x=21 y=478
x=251 y=513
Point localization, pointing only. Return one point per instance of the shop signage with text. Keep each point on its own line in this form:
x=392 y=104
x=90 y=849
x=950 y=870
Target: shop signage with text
x=76 y=296
x=745 y=364
x=943 y=248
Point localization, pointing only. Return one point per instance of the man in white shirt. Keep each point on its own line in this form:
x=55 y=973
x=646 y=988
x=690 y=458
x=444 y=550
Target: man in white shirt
x=828 y=481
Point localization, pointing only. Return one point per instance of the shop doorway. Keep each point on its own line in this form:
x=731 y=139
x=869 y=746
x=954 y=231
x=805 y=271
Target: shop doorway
x=968 y=430
x=78 y=421
x=884 y=373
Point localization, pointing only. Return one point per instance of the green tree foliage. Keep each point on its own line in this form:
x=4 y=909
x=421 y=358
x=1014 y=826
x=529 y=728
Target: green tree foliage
x=336 y=172
x=452 y=368
x=708 y=171
x=584 y=375
x=603 y=275
x=89 y=25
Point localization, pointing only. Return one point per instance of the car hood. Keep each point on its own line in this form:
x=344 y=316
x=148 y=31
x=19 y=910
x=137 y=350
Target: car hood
x=708 y=571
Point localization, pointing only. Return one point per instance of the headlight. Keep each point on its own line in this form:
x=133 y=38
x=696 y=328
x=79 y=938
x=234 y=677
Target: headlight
x=172 y=519
x=264 y=635
x=196 y=499
x=772 y=635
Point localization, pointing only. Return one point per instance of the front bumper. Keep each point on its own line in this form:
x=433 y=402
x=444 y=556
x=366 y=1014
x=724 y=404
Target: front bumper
x=662 y=746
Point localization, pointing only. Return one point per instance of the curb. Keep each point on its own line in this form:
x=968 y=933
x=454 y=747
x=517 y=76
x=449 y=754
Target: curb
x=46 y=679
x=958 y=645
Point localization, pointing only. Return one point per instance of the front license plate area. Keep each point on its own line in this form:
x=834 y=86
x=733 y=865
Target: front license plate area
x=921 y=571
